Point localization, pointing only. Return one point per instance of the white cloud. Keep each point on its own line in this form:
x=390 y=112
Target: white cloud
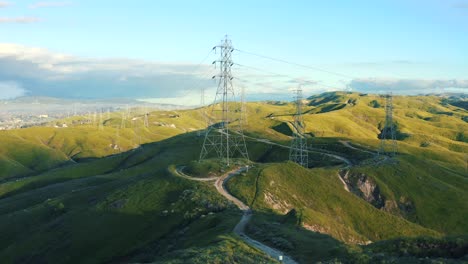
x=59 y=63
x=408 y=86
x=11 y=89
x=5 y=4
x=20 y=20
x=56 y=74
x=50 y=4
x=187 y=98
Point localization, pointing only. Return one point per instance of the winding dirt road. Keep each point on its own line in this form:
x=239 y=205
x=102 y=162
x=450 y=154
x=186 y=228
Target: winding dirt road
x=239 y=229
x=310 y=150
x=180 y=172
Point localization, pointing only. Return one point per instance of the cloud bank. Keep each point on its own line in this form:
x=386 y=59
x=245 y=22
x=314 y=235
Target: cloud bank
x=20 y=20
x=50 y=4
x=46 y=73
x=4 y=4
x=10 y=89
x=408 y=86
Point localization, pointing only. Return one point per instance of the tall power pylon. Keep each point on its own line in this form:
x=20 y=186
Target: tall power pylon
x=243 y=107
x=387 y=137
x=298 y=152
x=221 y=140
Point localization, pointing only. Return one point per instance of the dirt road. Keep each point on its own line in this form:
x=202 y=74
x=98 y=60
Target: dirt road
x=239 y=229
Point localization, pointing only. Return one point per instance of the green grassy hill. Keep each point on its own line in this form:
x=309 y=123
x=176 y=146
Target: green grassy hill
x=90 y=193
x=325 y=206
x=128 y=207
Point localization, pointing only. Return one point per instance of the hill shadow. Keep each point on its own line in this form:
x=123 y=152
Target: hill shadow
x=285 y=232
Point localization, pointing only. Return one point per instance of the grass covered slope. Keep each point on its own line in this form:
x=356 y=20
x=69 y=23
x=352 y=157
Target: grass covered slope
x=323 y=203
x=88 y=195
x=32 y=150
x=419 y=119
x=424 y=122
x=124 y=208
x=424 y=193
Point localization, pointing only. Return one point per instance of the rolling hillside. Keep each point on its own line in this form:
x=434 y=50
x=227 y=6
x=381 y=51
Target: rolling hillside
x=90 y=193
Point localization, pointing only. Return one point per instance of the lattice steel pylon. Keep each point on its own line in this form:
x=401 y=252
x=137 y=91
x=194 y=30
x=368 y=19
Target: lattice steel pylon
x=203 y=112
x=124 y=120
x=101 y=122
x=298 y=152
x=243 y=117
x=94 y=117
x=224 y=135
x=146 y=122
x=387 y=136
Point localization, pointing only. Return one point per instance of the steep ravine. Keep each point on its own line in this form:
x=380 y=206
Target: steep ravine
x=367 y=189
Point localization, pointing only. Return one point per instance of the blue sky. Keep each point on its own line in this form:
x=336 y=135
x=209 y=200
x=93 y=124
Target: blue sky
x=389 y=44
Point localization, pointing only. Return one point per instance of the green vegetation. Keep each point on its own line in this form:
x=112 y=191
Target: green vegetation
x=134 y=210
x=449 y=247
x=205 y=169
x=226 y=249
x=322 y=201
x=286 y=233
x=81 y=194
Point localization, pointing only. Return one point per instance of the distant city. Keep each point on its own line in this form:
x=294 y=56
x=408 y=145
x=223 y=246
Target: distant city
x=35 y=111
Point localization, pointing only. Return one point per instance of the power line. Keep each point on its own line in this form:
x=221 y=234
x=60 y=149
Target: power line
x=297 y=64
x=197 y=85
x=297 y=79
x=309 y=67
x=201 y=79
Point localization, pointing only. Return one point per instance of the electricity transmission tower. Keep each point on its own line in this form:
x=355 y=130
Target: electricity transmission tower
x=94 y=117
x=146 y=111
x=136 y=132
x=124 y=120
x=202 y=112
x=101 y=122
x=243 y=119
x=298 y=152
x=387 y=137
x=225 y=143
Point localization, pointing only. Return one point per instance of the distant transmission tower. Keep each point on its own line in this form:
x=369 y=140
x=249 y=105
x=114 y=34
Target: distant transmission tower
x=136 y=132
x=219 y=138
x=124 y=120
x=101 y=122
x=94 y=117
x=243 y=107
x=203 y=112
x=387 y=137
x=298 y=152
x=146 y=112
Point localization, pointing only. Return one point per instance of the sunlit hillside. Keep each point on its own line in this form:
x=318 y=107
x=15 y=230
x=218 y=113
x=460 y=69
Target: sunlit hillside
x=114 y=182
